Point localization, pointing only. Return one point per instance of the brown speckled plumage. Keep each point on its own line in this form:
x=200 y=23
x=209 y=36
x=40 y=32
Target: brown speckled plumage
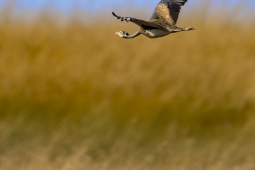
x=162 y=22
x=163 y=15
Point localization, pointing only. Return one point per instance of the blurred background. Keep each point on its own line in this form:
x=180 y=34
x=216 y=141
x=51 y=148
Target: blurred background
x=74 y=95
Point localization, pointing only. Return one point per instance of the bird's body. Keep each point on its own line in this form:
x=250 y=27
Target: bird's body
x=154 y=33
x=162 y=22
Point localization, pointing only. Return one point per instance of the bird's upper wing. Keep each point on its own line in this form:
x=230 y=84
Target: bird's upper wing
x=168 y=11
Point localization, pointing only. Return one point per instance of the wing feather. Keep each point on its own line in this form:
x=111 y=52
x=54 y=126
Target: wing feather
x=168 y=11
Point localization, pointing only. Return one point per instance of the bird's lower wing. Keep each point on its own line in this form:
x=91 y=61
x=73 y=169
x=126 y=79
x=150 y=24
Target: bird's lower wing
x=142 y=23
x=147 y=24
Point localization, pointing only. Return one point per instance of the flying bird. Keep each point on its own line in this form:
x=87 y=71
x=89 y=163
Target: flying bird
x=162 y=22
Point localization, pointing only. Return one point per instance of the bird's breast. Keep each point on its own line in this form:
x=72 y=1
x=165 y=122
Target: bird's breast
x=155 y=33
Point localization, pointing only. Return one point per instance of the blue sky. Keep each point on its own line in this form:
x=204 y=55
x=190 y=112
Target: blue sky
x=93 y=9
x=94 y=5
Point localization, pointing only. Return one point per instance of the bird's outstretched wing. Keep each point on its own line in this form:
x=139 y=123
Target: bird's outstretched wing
x=168 y=11
x=142 y=23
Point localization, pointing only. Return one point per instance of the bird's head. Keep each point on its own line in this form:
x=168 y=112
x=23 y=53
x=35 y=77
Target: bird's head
x=123 y=34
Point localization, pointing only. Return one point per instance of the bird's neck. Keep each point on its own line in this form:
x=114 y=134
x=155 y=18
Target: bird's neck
x=134 y=35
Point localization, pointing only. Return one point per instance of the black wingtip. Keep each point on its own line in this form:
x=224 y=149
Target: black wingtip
x=114 y=14
x=118 y=17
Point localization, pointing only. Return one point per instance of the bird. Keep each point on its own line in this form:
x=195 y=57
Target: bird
x=162 y=22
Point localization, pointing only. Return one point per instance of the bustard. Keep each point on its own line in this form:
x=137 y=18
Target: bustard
x=161 y=23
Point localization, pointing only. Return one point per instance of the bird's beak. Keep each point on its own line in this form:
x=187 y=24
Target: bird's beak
x=118 y=33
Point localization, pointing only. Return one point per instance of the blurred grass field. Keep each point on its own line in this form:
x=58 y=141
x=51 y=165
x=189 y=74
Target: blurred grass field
x=76 y=96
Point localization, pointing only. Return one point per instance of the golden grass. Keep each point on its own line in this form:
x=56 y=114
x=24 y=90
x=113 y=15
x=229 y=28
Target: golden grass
x=79 y=97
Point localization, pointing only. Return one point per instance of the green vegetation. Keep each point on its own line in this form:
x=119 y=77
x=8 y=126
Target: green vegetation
x=77 y=96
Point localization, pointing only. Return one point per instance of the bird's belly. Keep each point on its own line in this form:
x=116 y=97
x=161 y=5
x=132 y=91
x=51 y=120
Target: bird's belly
x=155 y=33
